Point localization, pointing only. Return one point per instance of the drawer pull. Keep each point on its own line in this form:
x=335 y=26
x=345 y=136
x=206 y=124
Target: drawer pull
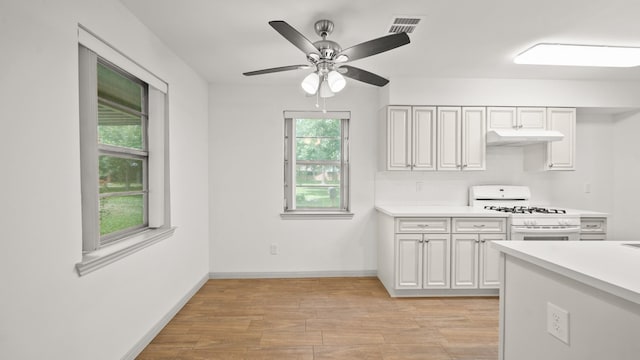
x=592 y=226
x=423 y=225
x=478 y=225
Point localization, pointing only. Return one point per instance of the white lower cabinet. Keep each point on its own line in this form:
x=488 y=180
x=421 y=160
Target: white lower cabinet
x=593 y=228
x=422 y=261
x=475 y=264
x=439 y=256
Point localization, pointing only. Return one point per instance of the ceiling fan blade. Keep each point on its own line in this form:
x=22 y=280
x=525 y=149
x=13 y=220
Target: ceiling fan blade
x=364 y=76
x=294 y=36
x=276 y=69
x=375 y=46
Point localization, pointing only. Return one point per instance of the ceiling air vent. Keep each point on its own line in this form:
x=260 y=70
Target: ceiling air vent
x=405 y=24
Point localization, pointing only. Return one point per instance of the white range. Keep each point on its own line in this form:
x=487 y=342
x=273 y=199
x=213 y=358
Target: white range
x=526 y=222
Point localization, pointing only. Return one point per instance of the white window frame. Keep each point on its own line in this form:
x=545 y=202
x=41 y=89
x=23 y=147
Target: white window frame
x=290 y=210
x=96 y=253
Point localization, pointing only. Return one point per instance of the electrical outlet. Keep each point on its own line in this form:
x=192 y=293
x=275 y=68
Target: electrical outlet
x=558 y=322
x=587 y=188
x=274 y=249
x=419 y=186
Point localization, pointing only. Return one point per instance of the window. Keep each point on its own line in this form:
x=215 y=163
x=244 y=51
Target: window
x=316 y=163
x=123 y=155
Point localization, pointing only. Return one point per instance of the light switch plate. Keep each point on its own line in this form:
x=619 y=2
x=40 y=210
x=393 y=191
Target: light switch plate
x=558 y=322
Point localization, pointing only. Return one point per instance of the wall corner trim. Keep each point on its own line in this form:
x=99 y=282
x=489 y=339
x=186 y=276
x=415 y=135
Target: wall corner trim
x=155 y=330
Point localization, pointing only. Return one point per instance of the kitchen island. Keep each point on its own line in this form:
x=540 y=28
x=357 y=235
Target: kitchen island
x=569 y=300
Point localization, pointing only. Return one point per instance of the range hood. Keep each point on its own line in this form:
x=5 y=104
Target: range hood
x=521 y=137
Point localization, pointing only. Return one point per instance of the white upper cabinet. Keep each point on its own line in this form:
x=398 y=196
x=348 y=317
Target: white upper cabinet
x=449 y=137
x=410 y=138
x=532 y=118
x=398 y=137
x=461 y=138
x=501 y=117
x=473 y=138
x=561 y=154
x=424 y=138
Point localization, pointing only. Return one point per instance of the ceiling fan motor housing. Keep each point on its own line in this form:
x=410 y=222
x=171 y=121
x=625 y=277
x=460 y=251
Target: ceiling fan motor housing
x=327 y=48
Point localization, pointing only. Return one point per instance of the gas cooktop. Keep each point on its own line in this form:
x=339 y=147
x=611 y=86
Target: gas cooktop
x=525 y=210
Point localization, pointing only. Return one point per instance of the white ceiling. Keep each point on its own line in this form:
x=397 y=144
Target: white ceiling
x=458 y=38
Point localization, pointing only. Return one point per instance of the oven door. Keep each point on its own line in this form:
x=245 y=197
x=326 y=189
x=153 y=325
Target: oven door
x=569 y=233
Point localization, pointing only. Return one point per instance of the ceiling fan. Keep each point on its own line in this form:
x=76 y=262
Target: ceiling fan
x=327 y=58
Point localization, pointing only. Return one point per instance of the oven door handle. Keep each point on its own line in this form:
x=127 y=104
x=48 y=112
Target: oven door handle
x=529 y=230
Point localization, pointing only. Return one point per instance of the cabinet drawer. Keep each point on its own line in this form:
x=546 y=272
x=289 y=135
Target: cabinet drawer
x=593 y=225
x=422 y=225
x=479 y=225
x=593 y=237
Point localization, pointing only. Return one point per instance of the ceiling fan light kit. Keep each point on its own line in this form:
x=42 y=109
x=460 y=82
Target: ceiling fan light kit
x=336 y=81
x=310 y=83
x=327 y=58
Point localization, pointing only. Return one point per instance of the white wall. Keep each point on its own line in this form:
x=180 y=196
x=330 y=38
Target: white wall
x=46 y=310
x=594 y=166
x=504 y=167
x=246 y=177
x=626 y=176
x=513 y=92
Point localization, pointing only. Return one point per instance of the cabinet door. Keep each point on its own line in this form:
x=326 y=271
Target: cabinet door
x=398 y=137
x=501 y=118
x=408 y=261
x=424 y=138
x=489 y=261
x=474 y=138
x=561 y=154
x=532 y=118
x=436 y=254
x=449 y=123
x=464 y=266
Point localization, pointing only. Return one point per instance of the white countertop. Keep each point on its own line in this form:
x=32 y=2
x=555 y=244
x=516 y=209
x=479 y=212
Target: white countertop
x=408 y=209
x=606 y=265
x=397 y=210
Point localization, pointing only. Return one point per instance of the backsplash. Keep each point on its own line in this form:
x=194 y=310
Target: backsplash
x=504 y=167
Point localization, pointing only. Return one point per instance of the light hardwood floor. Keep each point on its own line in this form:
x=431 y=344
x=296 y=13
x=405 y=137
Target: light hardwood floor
x=325 y=318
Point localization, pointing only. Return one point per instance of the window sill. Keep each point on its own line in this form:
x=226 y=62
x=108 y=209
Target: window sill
x=100 y=258
x=317 y=215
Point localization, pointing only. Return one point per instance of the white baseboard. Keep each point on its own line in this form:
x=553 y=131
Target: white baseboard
x=291 y=274
x=155 y=330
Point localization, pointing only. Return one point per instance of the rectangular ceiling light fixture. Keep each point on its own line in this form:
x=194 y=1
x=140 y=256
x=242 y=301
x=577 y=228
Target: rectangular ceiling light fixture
x=580 y=55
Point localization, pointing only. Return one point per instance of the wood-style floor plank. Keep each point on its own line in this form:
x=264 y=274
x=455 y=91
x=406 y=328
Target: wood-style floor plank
x=325 y=318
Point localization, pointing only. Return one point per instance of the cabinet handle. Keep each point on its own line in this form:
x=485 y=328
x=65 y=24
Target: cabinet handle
x=426 y=241
x=408 y=165
x=478 y=225
x=592 y=226
x=483 y=241
x=464 y=166
x=477 y=241
x=550 y=165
